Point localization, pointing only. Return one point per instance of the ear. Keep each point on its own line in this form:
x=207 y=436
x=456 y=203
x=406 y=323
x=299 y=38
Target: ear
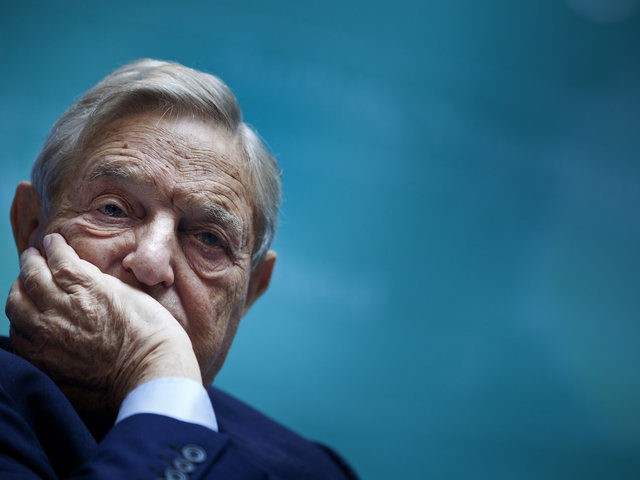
x=25 y=214
x=260 y=279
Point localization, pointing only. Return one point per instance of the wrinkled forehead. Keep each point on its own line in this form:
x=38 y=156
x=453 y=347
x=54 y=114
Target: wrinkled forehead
x=190 y=151
x=185 y=148
x=182 y=141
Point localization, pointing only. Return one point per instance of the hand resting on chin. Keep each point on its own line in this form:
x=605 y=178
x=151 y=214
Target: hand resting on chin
x=95 y=336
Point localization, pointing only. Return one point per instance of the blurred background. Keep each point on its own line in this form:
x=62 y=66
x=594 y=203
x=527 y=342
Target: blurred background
x=457 y=287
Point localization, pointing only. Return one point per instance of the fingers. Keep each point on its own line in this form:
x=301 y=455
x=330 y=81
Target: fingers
x=45 y=286
x=36 y=280
x=29 y=332
x=22 y=313
x=69 y=271
x=91 y=329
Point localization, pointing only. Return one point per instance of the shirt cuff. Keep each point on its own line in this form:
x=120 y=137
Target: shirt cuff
x=180 y=398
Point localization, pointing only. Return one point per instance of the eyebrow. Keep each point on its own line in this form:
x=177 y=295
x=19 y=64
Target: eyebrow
x=124 y=171
x=213 y=213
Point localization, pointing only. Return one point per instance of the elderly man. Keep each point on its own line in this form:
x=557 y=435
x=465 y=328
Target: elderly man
x=144 y=238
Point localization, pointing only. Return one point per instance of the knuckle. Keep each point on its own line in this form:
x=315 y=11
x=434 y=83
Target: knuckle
x=30 y=279
x=63 y=270
x=71 y=278
x=14 y=293
x=10 y=308
x=17 y=303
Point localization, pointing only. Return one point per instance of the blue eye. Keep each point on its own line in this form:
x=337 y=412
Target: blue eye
x=111 y=210
x=209 y=239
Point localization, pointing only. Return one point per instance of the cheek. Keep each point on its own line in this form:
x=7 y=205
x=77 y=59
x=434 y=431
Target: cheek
x=208 y=307
x=106 y=253
x=213 y=310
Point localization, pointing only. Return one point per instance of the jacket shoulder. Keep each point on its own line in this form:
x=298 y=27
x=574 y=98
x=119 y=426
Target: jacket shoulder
x=274 y=446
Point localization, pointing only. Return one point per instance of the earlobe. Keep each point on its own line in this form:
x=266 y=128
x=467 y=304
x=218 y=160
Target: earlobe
x=260 y=279
x=25 y=214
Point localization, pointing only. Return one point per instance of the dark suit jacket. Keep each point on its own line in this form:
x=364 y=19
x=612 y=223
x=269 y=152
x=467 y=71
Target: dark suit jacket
x=42 y=437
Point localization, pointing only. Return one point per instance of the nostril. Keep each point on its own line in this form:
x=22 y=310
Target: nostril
x=149 y=268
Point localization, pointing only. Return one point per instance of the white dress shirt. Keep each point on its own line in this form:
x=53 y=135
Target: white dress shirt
x=176 y=397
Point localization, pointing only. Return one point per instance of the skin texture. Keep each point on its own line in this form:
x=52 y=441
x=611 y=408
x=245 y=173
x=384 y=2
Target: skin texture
x=149 y=269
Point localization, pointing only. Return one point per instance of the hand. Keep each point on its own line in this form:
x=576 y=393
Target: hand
x=95 y=336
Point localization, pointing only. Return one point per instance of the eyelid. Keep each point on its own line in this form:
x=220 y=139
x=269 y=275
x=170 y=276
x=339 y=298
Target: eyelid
x=111 y=200
x=225 y=245
x=101 y=201
x=224 y=241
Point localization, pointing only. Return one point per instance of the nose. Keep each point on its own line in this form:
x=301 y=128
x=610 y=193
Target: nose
x=150 y=259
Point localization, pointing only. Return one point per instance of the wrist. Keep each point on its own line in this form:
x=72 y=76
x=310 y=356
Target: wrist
x=167 y=355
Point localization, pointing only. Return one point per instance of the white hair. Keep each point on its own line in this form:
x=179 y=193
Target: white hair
x=176 y=91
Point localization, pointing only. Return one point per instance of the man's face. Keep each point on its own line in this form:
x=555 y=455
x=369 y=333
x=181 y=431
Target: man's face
x=164 y=205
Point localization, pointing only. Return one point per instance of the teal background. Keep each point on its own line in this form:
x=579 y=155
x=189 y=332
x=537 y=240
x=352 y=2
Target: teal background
x=456 y=294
